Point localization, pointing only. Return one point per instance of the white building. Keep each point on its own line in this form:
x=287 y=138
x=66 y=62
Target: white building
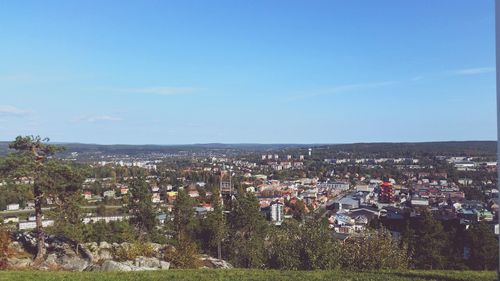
x=12 y=207
x=277 y=212
x=32 y=224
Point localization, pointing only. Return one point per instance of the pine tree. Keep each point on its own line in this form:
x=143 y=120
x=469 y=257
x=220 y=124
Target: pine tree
x=248 y=230
x=141 y=208
x=183 y=213
x=216 y=224
x=33 y=160
x=483 y=246
x=429 y=243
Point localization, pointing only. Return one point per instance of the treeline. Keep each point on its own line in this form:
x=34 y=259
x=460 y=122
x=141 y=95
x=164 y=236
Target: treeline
x=433 y=244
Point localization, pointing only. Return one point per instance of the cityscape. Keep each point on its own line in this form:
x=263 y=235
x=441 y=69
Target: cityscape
x=249 y=140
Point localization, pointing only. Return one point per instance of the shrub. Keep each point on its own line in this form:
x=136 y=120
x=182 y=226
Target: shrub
x=133 y=251
x=376 y=250
x=185 y=255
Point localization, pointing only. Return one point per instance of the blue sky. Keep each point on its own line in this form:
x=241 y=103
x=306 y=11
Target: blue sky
x=172 y=72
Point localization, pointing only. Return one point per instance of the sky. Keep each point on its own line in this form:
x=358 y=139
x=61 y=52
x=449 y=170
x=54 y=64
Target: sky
x=260 y=71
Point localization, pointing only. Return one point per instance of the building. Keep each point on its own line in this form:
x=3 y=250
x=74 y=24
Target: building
x=12 y=207
x=109 y=193
x=386 y=193
x=276 y=214
x=32 y=224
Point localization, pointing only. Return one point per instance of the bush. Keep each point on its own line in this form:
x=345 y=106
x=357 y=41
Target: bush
x=185 y=256
x=133 y=251
x=374 y=251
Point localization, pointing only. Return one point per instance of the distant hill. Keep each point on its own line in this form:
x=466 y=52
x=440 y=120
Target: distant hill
x=472 y=148
x=456 y=148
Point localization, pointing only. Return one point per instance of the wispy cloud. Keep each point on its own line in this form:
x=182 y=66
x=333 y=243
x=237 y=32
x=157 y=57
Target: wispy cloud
x=98 y=118
x=165 y=91
x=417 y=78
x=472 y=71
x=344 y=89
x=9 y=110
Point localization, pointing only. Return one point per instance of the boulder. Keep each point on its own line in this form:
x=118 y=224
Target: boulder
x=148 y=262
x=73 y=263
x=16 y=263
x=211 y=262
x=117 y=266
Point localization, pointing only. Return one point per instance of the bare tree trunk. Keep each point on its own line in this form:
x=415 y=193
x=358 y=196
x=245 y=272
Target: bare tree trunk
x=40 y=254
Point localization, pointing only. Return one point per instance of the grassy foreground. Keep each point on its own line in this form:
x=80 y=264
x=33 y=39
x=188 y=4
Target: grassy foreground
x=253 y=275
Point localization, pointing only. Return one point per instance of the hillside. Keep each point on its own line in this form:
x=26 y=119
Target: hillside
x=455 y=148
x=254 y=275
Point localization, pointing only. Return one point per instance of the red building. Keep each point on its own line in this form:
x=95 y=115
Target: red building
x=386 y=193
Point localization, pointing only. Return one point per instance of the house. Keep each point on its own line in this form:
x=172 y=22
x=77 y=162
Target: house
x=10 y=219
x=419 y=202
x=87 y=195
x=155 y=197
x=109 y=194
x=13 y=207
x=32 y=224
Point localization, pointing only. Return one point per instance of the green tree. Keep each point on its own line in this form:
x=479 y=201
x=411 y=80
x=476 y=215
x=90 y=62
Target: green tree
x=483 y=245
x=248 y=230
x=216 y=224
x=318 y=250
x=183 y=213
x=375 y=250
x=143 y=214
x=68 y=220
x=32 y=161
x=283 y=246
x=430 y=240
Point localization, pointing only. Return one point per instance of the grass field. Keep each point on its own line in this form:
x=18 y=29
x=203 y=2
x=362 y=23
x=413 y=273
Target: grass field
x=251 y=275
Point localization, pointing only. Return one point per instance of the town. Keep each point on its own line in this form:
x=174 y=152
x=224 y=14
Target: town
x=354 y=195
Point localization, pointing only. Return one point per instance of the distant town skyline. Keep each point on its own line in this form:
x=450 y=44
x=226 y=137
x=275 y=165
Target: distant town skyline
x=185 y=72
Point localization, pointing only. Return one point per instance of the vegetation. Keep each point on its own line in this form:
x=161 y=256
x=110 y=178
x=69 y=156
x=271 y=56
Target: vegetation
x=254 y=275
x=5 y=247
x=52 y=179
x=133 y=251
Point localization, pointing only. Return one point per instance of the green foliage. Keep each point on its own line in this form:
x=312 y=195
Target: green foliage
x=317 y=248
x=68 y=218
x=142 y=209
x=184 y=255
x=428 y=243
x=214 y=227
x=374 y=251
x=133 y=251
x=112 y=232
x=483 y=246
x=183 y=213
x=248 y=230
x=283 y=246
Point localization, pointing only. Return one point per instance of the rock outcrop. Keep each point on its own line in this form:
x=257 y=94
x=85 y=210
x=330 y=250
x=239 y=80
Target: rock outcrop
x=67 y=255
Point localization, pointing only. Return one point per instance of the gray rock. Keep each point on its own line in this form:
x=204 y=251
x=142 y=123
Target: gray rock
x=73 y=263
x=51 y=260
x=211 y=262
x=115 y=266
x=164 y=265
x=17 y=263
x=104 y=245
